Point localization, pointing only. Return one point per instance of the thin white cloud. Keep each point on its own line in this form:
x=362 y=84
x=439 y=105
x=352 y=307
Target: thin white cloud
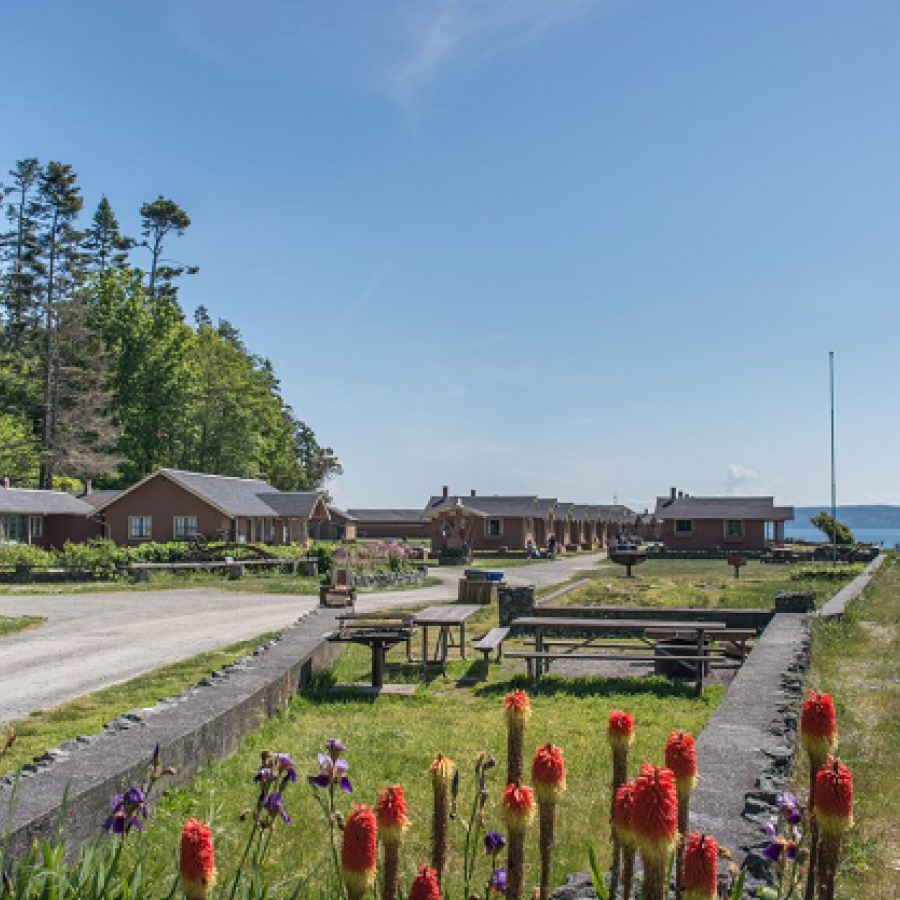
x=741 y=480
x=439 y=33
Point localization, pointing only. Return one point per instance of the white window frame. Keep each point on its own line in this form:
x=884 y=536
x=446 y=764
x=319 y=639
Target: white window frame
x=143 y=536
x=487 y=528
x=733 y=537
x=186 y=533
x=680 y=532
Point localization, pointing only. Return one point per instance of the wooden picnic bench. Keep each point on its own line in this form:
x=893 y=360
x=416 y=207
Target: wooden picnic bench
x=379 y=631
x=539 y=660
x=444 y=617
x=735 y=638
x=492 y=641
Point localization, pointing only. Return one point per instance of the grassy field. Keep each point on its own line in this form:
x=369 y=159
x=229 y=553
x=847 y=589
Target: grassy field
x=87 y=715
x=393 y=739
x=856 y=660
x=14 y=624
x=697 y=583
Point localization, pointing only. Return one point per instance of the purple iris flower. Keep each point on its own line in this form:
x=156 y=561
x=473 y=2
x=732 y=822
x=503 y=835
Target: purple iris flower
x=334 y=747
x=275 y=806
x=286 y=766
x=128 y=811
x=499 y=878
x=494 y=842
x=332 y=771
x=264 y=775
x=789 y=807
x=776 y=845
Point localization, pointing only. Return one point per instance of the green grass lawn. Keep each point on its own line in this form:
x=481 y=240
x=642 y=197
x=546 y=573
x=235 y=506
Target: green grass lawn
x=87 y=715
x=15 y=624
x=856 y=661
x=393 y=739
x=698 y=583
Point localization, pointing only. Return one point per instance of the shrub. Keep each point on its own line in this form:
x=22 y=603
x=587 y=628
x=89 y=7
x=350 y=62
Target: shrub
x=100 y=557
x=25 y=555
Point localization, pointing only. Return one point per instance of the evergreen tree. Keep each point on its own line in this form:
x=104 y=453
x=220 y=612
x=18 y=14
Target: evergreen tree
x=57 y=205
x=159 y=219
x=19 y=248
x=104 y=243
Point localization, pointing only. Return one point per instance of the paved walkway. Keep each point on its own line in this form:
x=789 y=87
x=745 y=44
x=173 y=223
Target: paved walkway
x=91 y=641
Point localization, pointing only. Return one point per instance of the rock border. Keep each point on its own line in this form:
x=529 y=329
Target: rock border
x=206 y=721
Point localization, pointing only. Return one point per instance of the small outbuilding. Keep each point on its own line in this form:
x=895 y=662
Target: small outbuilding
x=44 y=518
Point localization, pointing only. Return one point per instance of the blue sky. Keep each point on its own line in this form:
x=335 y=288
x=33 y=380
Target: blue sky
x=584 y=249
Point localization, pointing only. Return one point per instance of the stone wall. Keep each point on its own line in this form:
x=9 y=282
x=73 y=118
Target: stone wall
x=389 y=579
x=206 y=722
x=515 y=602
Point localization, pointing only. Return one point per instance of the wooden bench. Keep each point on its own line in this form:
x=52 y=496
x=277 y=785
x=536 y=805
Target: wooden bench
x=734 y=637
x=379 y=631
x=493 y=640
x=536 y=661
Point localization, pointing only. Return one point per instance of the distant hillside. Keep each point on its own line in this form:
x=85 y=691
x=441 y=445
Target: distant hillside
x=854 y=516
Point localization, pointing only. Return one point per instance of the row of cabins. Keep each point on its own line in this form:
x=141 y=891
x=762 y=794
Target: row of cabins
x=172 y=505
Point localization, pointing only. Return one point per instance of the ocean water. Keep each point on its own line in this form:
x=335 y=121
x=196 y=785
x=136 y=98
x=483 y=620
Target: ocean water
x=887 y=537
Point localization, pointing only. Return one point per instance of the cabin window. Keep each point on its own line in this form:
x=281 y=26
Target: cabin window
x=684 y=526
x=37 y=527
x=493 y=527
x=734 y=528
x=140 y=528
x=185 y=527
x=13 y=530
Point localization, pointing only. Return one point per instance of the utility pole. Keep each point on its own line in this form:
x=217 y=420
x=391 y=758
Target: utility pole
x=833 y=476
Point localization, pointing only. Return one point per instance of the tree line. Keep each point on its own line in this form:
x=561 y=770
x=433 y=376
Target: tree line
x=102 y=377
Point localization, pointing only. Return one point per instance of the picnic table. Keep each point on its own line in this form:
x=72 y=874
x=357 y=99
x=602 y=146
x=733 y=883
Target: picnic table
x=444 y=617
x=378 y=631
x=595 y=628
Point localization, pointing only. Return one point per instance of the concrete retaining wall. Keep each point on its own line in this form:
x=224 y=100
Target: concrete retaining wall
x=206 y=722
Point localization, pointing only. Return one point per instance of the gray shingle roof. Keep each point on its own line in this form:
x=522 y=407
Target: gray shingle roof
x=236 y=496
x=388 y=515
x=489 y=505
x=22 y=501
x=722 y=508
x=96 y=497
x=291 y=504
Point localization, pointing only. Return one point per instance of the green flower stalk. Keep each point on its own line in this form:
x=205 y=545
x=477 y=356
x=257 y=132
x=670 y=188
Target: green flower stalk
x=390 y=814
x=623 y=826
x=681 y=758
x=834 y=814
x=620 y=734
x=818 y=737
x=442 y=770
x=518 y=711
x=518 y=813
x=548 y=772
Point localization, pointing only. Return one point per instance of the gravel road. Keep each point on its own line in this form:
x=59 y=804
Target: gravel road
x=91 y=641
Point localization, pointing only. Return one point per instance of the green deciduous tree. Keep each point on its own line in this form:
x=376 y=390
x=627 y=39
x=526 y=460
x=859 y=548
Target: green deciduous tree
x=20 y=456
x=837 y=532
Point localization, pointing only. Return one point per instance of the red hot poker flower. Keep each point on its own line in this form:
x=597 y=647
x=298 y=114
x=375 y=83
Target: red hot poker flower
x=834 y=797
x=198 y=861
x=548 y=772
x=391 y=814
x=425 y=885
x=701 y=868
x=517 y=704
x=620 y=731
x=359 y=850
x=655 y=812
x=818 y=726
x=681 y=758
x=518 y=807
x=623 y=815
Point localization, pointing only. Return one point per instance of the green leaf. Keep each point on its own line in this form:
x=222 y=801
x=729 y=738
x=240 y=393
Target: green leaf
x=597 y=876
x=737 y=890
